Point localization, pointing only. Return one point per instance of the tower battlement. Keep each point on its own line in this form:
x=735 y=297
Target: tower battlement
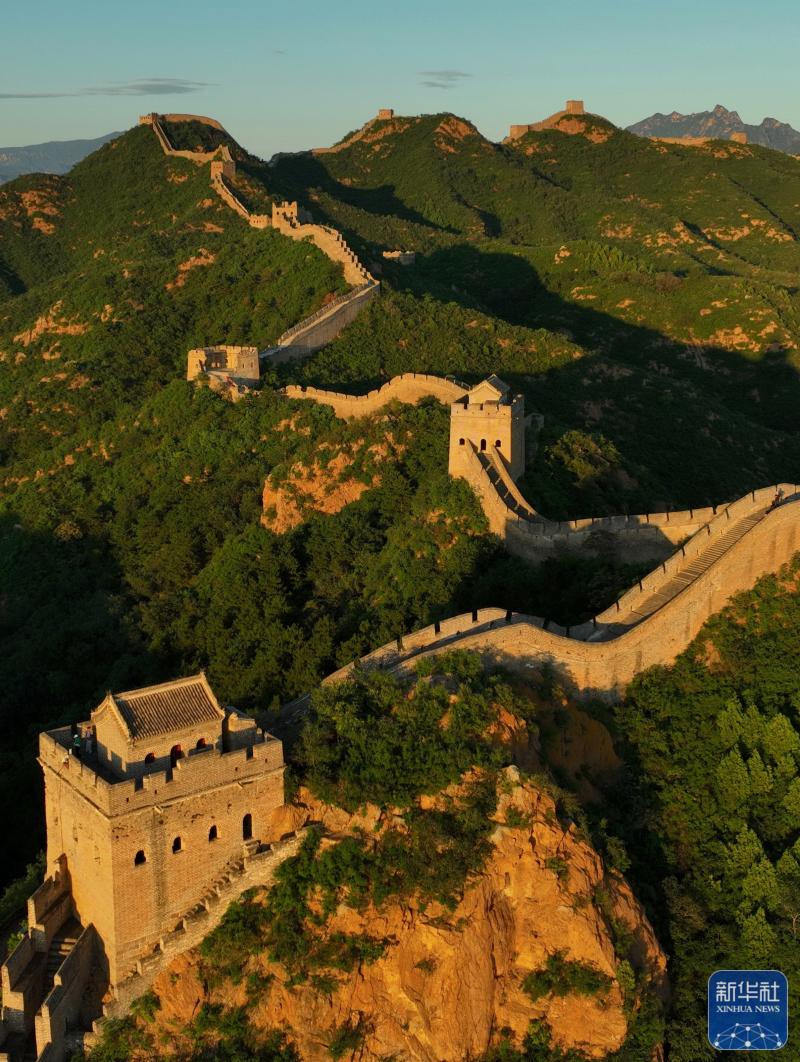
x=149 y=801
x=490 y=418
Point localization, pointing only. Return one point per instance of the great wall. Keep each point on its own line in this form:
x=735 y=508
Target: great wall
x=136 y=801
x=320 y=327
x=706 y=556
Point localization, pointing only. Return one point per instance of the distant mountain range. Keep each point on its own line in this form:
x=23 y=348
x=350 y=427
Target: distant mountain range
x=719 y=124
x=56 y=156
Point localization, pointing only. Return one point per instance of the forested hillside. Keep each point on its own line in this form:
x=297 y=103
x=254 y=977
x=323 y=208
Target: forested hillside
x=689 y=787
x=643 y=296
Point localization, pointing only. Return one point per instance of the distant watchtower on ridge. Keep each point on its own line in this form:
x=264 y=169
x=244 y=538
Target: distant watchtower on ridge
x=492 y=419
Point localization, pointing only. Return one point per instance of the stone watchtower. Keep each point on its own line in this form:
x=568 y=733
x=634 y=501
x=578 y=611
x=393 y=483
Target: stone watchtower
x=150 y=805
x=224 y=362
x=492 y=420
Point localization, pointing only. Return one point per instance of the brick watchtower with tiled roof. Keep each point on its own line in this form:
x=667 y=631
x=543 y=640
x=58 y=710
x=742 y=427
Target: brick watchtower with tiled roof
x=149 y=802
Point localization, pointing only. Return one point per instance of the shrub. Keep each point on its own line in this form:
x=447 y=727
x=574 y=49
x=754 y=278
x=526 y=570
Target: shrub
x=562 y=977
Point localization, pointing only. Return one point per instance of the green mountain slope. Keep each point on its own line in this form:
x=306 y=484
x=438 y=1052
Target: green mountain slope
x=112 y=274
x=642 y=295
x=645 y=299
x=131 y=544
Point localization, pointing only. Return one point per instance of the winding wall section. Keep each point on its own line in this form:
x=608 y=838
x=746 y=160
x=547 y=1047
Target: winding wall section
x=321 y=327
x=410 y=387
x=645 y=537
x=601 y=657
x=721 y=550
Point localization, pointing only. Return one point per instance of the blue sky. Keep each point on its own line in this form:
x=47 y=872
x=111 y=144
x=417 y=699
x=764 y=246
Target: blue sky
x=290 y=75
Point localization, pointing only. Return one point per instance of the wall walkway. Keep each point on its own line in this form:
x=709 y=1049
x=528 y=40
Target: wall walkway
x=721 y=550
x=320 y=328
x=649 y=536
x=651 y=624
x=45 y=978
x=411 y=387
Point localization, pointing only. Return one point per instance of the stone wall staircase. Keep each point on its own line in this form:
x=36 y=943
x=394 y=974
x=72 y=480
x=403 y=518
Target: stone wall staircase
x=285 y=220
x=62 y=944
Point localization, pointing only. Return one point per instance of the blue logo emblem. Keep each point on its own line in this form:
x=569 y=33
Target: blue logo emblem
x=748 y=1010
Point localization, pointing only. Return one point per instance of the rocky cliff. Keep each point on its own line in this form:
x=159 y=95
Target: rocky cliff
x=450 y=980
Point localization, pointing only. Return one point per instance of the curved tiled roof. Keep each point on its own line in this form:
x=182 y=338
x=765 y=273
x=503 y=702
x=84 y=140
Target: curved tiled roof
x=170 y=706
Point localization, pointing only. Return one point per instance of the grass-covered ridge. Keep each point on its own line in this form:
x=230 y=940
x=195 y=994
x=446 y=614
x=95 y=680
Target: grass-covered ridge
x=641 y=294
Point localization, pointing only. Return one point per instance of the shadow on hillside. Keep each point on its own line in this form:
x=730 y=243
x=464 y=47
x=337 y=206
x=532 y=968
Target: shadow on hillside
x=298 y=176
x=507 y=286
x=692 y=424
x=502 y=284
x=66 y=641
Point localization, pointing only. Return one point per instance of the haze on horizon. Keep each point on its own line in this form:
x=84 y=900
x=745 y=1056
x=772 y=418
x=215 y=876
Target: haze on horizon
x=286 y=78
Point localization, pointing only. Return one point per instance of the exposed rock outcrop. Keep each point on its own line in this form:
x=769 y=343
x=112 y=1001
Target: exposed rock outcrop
x=450 y=980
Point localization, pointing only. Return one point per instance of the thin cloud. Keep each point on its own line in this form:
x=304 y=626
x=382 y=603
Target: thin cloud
x=442 y=79
x=152 y=86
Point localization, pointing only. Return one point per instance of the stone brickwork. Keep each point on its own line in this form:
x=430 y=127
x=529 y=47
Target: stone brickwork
x=698 y=141
x=489 y=417
x=146 y=821
x=321 y=327
x=478 y=415
x=602 y=656
x=384 y=114
x=411 y=387
x=720 y=551
x=255 y=868
x=35 y=1001
x=63 y=1006
x=154 y=810
x=403 y=258
x=290 y=220
x=571 y=108
x=239 y=364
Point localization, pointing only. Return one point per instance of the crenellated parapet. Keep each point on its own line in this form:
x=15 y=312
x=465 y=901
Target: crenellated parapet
x=290 y=220
x=572 y=108
x=705 y=555
x=648 y=626
x=410 y=387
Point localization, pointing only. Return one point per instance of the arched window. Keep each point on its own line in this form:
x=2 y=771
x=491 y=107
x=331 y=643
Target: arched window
x=212 y=834
x=460 y=442
x=247 y=826
x=139 y=858
x=176 y=845
x=483 y=444
x=175 y=754
x=201 y=743
x=150 y=757
x=497 y=443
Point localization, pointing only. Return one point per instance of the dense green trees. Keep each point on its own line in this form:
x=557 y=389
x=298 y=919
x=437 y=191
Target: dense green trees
x=710 y=811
